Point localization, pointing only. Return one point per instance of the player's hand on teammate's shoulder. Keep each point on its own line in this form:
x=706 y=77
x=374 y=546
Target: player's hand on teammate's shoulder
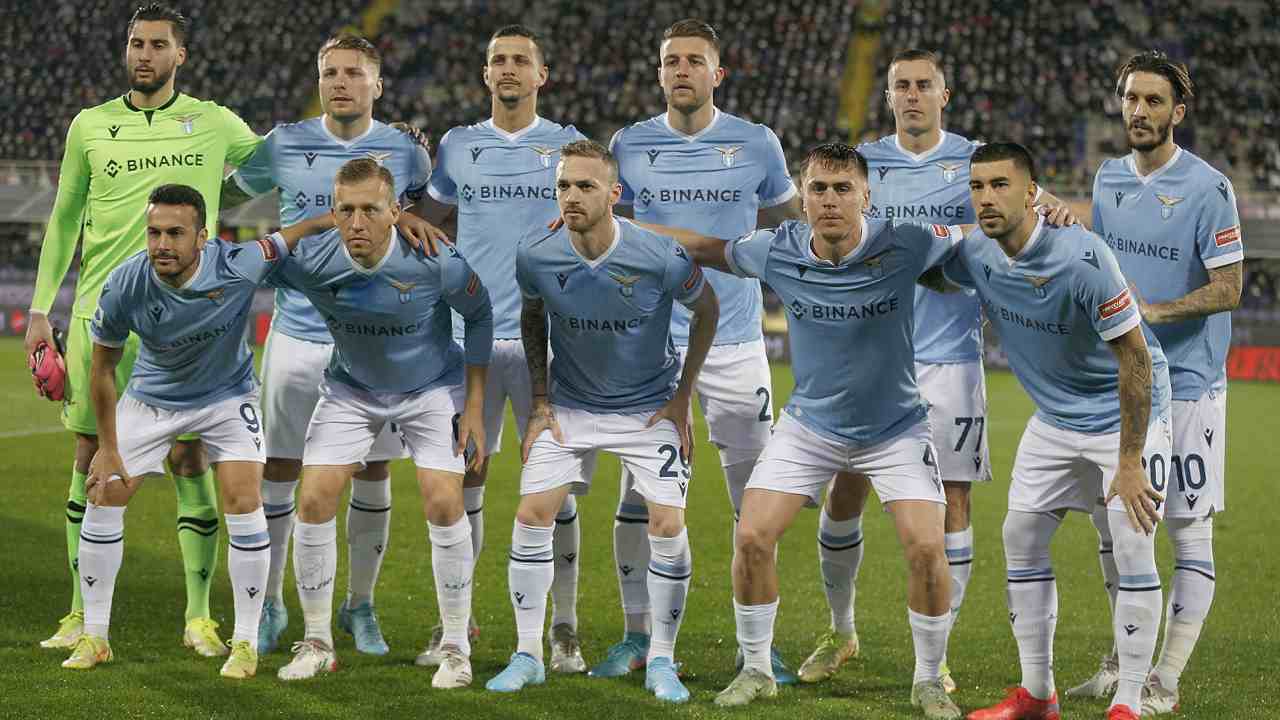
x=414 y=133
x=1058 y=215
x=680 y=412
x=1141 y=500
x=541 y=418
x=420 y=234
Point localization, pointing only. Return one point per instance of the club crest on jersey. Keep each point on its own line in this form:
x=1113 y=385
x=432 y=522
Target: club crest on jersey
x=1038 y=283
x=405 y=289
x=949 y=170
x=626 y=283
x=188 y=123
x=544 y=154
x=377 y=157
x=653 y=156
x=729 y=154
x=1167 y=203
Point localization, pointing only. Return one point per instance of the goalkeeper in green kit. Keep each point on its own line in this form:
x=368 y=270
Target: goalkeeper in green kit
x=116 y=153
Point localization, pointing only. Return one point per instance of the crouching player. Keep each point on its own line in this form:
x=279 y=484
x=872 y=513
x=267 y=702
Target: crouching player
x=188 y=301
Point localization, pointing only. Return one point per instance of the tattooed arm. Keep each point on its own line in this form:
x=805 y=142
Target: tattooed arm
x=533 y=333
x=1131 y=484
x=1220 y=294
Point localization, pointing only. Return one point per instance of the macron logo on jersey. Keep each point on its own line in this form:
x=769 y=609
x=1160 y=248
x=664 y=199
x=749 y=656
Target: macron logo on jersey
x=1116 y=305
x=1223 y=238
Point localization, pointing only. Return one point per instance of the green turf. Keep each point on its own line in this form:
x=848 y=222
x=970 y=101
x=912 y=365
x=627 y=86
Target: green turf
x=153 y=676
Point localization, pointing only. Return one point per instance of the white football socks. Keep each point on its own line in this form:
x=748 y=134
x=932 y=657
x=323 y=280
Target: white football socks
x=248 y=564
x=101 y=552
x=368 y=529
x=278 y=504
x=670 y=567
x=452 y=565
x=566 y=540
x=315 y=562
x=1194 y=581
x=1032 y=593
x=1138 y=605
x=529 y=576
x=840 y=552
x=755 y=634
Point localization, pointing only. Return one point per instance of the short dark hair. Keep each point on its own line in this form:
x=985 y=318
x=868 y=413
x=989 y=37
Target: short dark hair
x=159 y=11
x=521 y=31
x=175 y=194
x=591 y=149
x=693 y=27
x=835 y=156
x=348 y=41
x=911 y=54
x=998 y=151
x=1156 y=62
x=361 y=169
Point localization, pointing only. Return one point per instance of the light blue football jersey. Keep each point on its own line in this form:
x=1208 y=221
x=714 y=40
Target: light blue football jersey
x=1055 y=306
x=193 y=349
x=849 y=325
x=301 y=159
x=504 y=185
x=713 y=183
x=931 y=187
x=1168 y=230
x=391 y=324
x=610 y=318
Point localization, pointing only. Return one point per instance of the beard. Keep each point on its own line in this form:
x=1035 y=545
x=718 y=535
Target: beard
x=147 y=87
x=1161 y=132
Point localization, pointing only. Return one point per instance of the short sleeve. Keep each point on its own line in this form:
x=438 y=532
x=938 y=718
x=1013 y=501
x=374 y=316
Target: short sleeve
x=956 y=269
x=524 y=277
x=1096 y=212
x=748 y=255
x=254 y=261
x=931 y=244
x=110 y=326
x=1105 y=295
x=684 y=278
x=242 y=141
x=1218 y=238
x=441 y=187
x=776 y=188
x=628 y=195
x=419 y=171
x=254 y=176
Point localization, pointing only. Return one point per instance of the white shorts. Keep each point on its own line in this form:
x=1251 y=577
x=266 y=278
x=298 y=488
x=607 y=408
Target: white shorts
x=230 y=430
x=347 y=421
x=508 y=377
x=1059 y=469
x=736 y=395
x=292 y=371
x=650 y=454
x=799 y=461
x=957 y=398
x=1197 y=478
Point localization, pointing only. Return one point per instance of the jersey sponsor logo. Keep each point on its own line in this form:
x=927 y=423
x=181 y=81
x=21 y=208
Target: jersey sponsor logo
x=1116 y=305
x=684 y=196
x=114 y=130
x=1013 y=317
x=653 y=156
x=1038 y=283
x=310 y=157
x=924 y=212
x=873 y=211
x=950 y=170
x=378 y=157
x=1167 y=203
x=544 y=154
x=859 y=311
x=626 y=283
x=404 y=289
x=1228 y=236
x=373 y=329
x=268 y=249
x=201 y=336
x=576 y=324
x=1147 y=249
x=729 y=154
x=188 y=123
x=153 y=162
x=507 y=192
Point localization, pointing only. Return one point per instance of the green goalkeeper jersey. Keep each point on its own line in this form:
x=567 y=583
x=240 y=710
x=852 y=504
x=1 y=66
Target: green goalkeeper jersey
x=116 y=155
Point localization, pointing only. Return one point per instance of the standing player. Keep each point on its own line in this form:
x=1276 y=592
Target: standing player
x=1100 y=434
x=699 y=168
x=848 y=283
x=188 y=301
x=1171 y=220
x=608 y=288
x=300 y=159
x=116 y=154
x=497 y=179
x=394 y=361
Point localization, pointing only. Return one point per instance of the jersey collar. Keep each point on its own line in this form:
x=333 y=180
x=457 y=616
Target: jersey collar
x=1151 y=176
x=346 y=143
x=859 y=249
x=513 y=136
x=1027 y=249
x=595 y=264
x=191 y=281
x=942 y=140
x=167 y=103
x=715 y=118
x=362 y=270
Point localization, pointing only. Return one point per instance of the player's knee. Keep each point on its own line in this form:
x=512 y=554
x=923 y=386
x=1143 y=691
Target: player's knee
x=315 y=506
x=754 y=544
x=925 y=556
x=534 y=515
x=187 y=458
x=665 y=524
x=111 y=494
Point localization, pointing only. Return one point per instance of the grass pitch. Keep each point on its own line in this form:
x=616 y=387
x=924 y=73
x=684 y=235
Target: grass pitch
x=154 y=676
